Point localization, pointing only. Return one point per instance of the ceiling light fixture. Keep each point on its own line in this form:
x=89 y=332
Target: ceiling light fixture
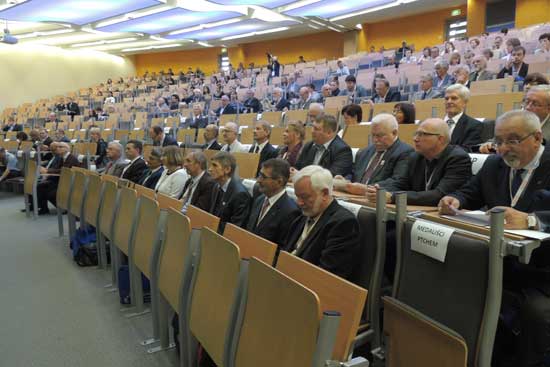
x=298 y=4
x=251 y=34
x=150 y=48
x=204 y=44
x=44 y=33
x=103 y=42
x=372 y=10
x=359 y=26
x=204 y=26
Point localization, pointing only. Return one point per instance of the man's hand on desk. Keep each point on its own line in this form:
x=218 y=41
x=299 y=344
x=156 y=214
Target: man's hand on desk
x=448 y=205
x=514 y=219
x=356 y=188
x=43 y=170
x=371 y=193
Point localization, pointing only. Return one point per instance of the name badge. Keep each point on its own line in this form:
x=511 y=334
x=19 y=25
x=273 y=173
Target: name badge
x=430 y=239
x=477 y=162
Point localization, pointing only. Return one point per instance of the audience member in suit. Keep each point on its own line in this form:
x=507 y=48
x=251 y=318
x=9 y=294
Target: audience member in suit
x=316 y=110
x=441 y=78
x=435 y=169
x=327 y=149
x=261 y=146
x=160 y=139
x=462 y=76
x=11 y=125
x=60 y=136
x=230 y=199
x=515 y=66
x=47 y=190
x=326 y=234
x=382 y=162
x=383 y=94
x=115 y=161
x=251 y=103
x=293 y=139
x=480 y=70
x=72 y=108
x=155 y=169
x=101 y=150
x=325 y=93
x=230 y=133
x=354 y=91
x=465 y=131
x=225 y=109
x=335 y=87
x=426 y=89
x=305 y=99
x=405 y=113
x=211 y=138
x=44 y=141
x=513 y=180
x=197 y=120
x=273 y=211
x=279 y=103
x=198 y=189
x=137 y=167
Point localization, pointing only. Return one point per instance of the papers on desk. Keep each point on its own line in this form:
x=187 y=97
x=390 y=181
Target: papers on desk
x=475 y=217
x=535 y=235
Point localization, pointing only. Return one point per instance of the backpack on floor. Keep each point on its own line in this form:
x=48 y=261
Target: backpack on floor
x=124 y=286
x=83 y=246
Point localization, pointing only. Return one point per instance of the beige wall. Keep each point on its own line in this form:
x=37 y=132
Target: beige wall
x=29 y=73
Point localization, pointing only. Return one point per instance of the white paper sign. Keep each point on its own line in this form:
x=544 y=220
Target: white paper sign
x=430 y=239
x=354 y=208
x=477 y=162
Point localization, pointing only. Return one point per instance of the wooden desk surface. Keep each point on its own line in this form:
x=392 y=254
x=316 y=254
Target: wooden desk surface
x=362 y=200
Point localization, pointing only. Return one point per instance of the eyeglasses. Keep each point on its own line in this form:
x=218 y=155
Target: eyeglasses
x=263 y=176
x=527 y=102
x=511 y=142
x=422 y=134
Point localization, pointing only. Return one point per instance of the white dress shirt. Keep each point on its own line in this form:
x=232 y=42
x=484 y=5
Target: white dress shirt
x=455 y=119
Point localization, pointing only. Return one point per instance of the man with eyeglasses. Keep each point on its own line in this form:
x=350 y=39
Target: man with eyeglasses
x=273 y=211
x=435 y=169
x=517 y=180
x=537 y=101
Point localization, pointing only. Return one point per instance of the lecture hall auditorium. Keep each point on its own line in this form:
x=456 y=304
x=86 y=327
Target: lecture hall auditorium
x=275 y=183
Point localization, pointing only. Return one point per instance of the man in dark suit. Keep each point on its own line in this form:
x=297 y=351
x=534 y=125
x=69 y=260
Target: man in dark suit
x=101 y=150
x=435 y=169
x=47 y=189
x=441 y=78
x=160 y=139
x=199 y=187
x=154 y=169
x=279 y=103
x=384 y=160
x=426 y=89
x=480 y=71
x=261 y=146
x=211 y=138
x=465 y=131
x=230 y=199
x=44 y=141
x=515 y=179
x=383 y=93
x=137 y=167
x=225 y=109
x=197 y=120
x=72 y=108
x=326 y=234
x=11 y=125
x=251 y=103
x=515 y=67
x=273 y=211
x=326 y=149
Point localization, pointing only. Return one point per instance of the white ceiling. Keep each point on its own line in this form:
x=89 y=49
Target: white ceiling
x=139 y=26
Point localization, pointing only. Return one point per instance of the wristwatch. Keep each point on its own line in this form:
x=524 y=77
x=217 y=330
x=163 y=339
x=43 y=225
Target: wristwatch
x=532 y=222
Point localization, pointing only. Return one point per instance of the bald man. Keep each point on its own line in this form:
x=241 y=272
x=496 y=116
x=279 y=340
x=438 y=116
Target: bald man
x=435 y=169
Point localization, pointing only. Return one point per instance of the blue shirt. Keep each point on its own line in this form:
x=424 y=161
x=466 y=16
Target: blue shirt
x=11 y=162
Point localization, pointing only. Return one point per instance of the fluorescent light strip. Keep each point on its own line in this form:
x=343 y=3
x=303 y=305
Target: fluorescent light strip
x=133 y=15
x=366 y=11
x=103 y=42
x=312 y=26
x=44 y=33
x=298 y=4
x=204 y=26
x=204 y=44
x=150 y=48
x=244 y=35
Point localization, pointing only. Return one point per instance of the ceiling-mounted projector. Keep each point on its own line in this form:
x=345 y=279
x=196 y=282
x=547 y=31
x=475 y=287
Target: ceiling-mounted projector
x=6 y=37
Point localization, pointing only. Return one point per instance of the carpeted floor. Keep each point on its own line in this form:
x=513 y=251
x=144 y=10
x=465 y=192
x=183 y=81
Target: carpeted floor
x=54 y=313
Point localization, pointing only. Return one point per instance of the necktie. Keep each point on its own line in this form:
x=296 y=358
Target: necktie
x=228 y=148
x=451 y=123
x=516 y=181
x=219 y=200
x=476 y=75
x=186 y=192
x=424 y=95
x=108 y=167
x=305 y=234
x=319 y=154
x=263 y=211
x=372 y=166
x=257 y=149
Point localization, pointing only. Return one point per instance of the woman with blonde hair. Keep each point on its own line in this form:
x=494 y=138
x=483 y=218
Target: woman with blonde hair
x=174 y=177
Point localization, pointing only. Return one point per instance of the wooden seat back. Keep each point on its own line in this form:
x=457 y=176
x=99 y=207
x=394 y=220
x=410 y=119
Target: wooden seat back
x=64 y=188
x=200 y=218
x=247 y=164
x=146 y=231
x=250 y=245
x=123 y=225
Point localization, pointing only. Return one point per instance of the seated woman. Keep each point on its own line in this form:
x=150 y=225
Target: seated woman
x=353 y=115
x=404 y=113
x=293 y=139
x=174 y=177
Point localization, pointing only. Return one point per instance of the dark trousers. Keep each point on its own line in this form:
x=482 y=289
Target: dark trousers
x=47 y=191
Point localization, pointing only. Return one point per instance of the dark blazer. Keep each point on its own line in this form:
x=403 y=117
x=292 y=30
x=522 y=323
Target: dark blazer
x=233 y=207
x=393 y=164
x=282 y=104
x=523 y=70
x=467 y=133
x=390 y=97
x=292 y=156
x=338 y=158
x=214 y=146
x=229 y=110
x=202 y=197
x=267 y=153
x=451 y=170
x=135 y=170
x=333 y=244
x=490 y=187
x=198 y=122
x=276 y=68
x=152 y=178
x=483 y=75
x=253 y=104
x=73 y=108
x=275 y=224
x=101 y=152
x=168 y=140
x=70 y=161
x=14 y=127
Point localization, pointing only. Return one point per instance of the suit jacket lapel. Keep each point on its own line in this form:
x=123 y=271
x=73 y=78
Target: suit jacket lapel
x=318 y=226
x=536 y=182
